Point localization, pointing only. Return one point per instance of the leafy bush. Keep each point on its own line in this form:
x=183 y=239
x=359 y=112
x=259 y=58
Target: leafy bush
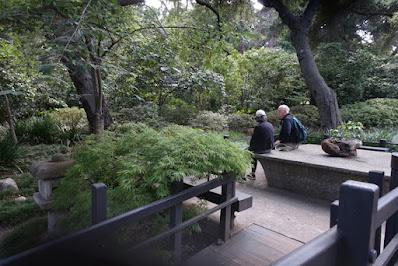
x=44 y=130
x=24 y=236
x=23 y=129
x=70 y=121
x=348 y=130
x=378 y=113
x=8 y=150
x=12 y=213
x=240 y=122
x=179 y=112
x=307 y=114
x=39 y=129
x=137 y=164
x=208 y=120
x=139 y=113
x=376 y=134
x=272 y=117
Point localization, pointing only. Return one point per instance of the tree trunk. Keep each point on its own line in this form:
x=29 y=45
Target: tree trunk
x=325 y=98
x=86 y=83
x=10 y=121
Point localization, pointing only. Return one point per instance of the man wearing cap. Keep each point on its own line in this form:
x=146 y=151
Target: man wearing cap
x=262 y=140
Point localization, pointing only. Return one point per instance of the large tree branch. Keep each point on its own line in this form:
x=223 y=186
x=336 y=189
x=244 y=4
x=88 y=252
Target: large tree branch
x=287 y=17
x=209 y=6
x=309 y=13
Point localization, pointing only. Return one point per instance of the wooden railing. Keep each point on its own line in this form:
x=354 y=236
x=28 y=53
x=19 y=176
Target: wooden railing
x=356 y=221
x=87 y=246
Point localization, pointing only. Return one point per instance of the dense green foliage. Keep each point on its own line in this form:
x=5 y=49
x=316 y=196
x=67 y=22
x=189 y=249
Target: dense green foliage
x=357 y=74
x=373 y=113
x=23 y=237
x=137 y=163
x=8 y=150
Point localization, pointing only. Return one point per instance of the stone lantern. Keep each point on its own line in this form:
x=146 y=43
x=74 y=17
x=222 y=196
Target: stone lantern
x=48 y=175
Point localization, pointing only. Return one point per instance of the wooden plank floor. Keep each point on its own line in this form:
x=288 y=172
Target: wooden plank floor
x=254 y=245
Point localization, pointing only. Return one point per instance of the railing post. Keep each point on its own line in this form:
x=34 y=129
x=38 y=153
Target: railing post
x=383 y=143
x=392 y=222
x=357 y=209
x=175 y=220
x=377 y=178
x=334 y=208
x=98 y=203
x=227 y=192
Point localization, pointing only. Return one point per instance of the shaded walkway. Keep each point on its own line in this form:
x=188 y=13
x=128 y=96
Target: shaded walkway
x=292 y=215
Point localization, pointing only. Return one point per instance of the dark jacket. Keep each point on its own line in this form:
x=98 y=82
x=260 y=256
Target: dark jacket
x=262 y=140
x=289 y=133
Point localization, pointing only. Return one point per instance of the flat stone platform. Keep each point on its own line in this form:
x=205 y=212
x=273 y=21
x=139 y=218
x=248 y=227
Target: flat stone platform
x=254 y=245
x=310 y=171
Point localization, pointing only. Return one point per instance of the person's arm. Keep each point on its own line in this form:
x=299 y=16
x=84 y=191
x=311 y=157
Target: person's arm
x=286 y=130
x=253 y=139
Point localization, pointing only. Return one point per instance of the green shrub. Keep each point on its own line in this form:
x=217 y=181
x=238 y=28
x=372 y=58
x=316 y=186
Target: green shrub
x=272 y=117
x=44 y=130
x=179 y=112
x=307 y=114
x=23 y=237
x=23 y=129
x=35 y=130
x=348 y=130
x=241 y=122
x=376 y=134
x=208 y=120
x=12 y=213
x=138 y=164
x=139 y=113
x=8 y=150
x=70 y=121
x=379 y=113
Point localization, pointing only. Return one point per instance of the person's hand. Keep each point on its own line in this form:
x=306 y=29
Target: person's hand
x=277 y=142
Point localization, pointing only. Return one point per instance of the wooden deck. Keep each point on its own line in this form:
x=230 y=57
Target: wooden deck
x=254 y=245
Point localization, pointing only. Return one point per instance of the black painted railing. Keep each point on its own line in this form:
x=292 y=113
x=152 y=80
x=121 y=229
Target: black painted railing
x=87 y=246
x=356 y=220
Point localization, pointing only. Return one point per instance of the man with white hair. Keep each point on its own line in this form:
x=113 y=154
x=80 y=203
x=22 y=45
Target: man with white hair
x=262 y=140
x=289 y=136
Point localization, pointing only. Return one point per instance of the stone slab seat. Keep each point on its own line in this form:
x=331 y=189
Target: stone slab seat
x=311 y=172
x=245 y=201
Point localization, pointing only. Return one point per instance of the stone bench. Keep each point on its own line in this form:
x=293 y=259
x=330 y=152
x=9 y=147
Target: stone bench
x=310 y=171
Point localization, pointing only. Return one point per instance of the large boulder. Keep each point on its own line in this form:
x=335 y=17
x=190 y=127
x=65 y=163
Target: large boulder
x=340 y=148
x=8 y=184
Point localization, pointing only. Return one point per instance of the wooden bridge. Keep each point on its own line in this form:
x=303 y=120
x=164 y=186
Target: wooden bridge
x=355 y=236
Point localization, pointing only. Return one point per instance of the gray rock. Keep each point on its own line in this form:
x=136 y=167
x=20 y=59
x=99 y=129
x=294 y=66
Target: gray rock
x=20 y=199
x=8 y=184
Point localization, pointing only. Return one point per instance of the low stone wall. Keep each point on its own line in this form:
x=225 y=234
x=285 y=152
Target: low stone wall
x=309 y=172
x=307 y=179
